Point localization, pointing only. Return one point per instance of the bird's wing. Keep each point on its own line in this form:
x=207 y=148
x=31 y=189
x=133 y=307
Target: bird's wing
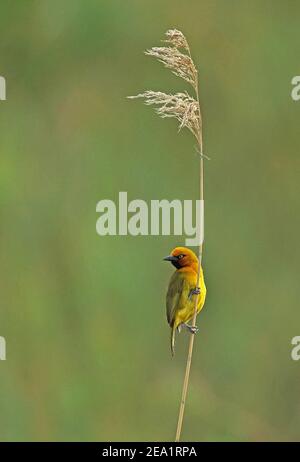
x=176 y=287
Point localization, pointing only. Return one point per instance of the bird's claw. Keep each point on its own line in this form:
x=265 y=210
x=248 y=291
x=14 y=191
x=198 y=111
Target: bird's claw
x=192 y=329
x=195 y=291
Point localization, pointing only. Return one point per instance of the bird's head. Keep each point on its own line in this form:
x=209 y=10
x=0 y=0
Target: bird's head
x=182 y=256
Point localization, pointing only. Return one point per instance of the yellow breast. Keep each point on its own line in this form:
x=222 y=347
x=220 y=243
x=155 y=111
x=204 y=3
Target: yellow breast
x=186 y=305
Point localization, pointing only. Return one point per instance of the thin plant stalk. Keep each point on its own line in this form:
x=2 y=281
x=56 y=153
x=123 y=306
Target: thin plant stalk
x=192 y=336
x=186 y=109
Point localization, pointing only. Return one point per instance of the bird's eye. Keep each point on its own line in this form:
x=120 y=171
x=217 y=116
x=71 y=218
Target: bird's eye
x=180 y=256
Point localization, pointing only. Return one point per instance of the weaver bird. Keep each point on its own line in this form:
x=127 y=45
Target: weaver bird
x=182 y=291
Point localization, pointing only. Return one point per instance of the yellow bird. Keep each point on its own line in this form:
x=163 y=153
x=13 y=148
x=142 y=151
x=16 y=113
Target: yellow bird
x=182 y=290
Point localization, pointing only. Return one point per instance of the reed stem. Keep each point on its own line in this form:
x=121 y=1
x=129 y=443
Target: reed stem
x=192 y=336
x=186 y=109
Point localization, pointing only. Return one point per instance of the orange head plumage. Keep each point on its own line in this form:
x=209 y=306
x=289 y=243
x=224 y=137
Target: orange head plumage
x=182 y=257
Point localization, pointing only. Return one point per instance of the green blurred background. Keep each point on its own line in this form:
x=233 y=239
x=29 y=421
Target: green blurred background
x=83 y=316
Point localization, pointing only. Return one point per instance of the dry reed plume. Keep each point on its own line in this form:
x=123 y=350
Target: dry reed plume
x=186 y=109
x=180 y=106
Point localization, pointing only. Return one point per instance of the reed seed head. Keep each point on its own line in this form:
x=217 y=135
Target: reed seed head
x=180 y=64
x=181 y=106
x=177 y=39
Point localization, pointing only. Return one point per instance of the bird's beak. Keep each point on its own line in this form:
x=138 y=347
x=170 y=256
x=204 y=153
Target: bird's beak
x=170 y=258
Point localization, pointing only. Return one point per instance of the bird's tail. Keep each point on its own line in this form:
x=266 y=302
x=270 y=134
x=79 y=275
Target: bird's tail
x=173 y=331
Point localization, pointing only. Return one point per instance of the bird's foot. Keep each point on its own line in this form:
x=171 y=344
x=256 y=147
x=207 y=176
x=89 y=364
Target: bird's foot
x=192 y=329
x=195 y=291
